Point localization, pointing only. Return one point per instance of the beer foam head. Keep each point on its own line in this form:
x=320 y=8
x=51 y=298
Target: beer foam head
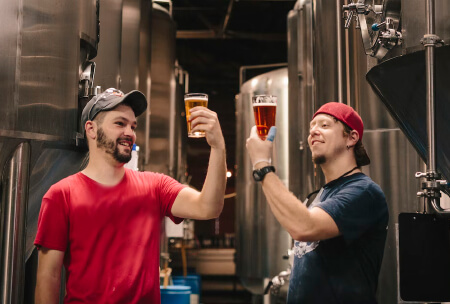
x=195 y=96
x=263 y=100
x=264 y=104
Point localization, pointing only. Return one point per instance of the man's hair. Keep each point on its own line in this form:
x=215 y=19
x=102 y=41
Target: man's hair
x=100 y=117
x=358 y=150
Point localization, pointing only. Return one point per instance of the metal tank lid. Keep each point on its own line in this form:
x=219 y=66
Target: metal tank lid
x=266 y=82
x=401 y=84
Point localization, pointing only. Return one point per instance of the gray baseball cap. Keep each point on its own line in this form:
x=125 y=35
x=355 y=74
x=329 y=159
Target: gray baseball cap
x=110 y=99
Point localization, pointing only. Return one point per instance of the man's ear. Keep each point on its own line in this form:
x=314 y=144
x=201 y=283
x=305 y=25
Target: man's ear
x=353 y=138
x=91 y=129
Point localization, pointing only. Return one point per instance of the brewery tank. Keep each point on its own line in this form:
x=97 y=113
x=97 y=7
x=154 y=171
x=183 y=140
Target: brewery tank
x=167 y=123
x=261 y=242
x=45 y=44
x=399 y=78
x=328 y=64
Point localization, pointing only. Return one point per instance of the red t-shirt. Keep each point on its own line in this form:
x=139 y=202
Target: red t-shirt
x=110 y=235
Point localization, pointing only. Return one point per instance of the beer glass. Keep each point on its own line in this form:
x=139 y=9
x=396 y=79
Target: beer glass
x=264 y=108
x=192 y=100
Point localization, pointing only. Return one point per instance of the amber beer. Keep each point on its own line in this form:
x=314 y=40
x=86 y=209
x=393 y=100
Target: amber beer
x=264 y=109
x=192 y=100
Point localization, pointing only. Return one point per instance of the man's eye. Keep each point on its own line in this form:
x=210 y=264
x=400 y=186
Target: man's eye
x=119 y=123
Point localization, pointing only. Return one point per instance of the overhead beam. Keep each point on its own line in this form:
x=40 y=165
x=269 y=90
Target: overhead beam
x=210 y=34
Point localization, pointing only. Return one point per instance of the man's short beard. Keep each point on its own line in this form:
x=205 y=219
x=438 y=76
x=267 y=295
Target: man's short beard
x=111 y=147
x=319 y=160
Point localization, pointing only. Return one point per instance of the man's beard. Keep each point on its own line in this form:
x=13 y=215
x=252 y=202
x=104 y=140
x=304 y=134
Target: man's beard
x=111 y=147
x=319 y=160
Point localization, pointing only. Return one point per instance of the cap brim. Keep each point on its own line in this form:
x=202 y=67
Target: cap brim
x=136 y=100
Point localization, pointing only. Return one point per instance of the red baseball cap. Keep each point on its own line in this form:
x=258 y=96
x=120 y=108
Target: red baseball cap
x=348 y=115
x=345 y=114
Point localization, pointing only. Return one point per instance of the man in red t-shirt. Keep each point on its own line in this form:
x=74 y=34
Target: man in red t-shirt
x=103 y=223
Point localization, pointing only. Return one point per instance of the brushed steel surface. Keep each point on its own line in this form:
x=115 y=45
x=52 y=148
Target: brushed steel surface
x=145 y=53
x=301 y=168
x=107 y=73
x=129 y=58
x=39 y=55
x=163 y=103
x=414 y=23
x=14 y=180
x=261 y=241
x=89 y=26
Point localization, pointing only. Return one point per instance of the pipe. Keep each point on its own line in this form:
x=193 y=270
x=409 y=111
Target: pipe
x=15 y=197
x=430 y=81
x=186 y=82
x=430 y=41
x=340 y=61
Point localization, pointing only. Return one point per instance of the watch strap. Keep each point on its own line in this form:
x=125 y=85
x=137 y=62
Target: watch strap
x=261 y=173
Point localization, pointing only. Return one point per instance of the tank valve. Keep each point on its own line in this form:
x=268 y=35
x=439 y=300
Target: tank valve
x=277 y=282
x=87 y=80
x=376 y=42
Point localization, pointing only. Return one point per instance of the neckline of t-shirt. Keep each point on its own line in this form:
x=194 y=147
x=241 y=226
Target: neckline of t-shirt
x=334 y=182
x=90 y=180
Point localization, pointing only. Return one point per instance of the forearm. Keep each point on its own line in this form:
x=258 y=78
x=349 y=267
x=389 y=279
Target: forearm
x=213 y=191
x=289 y=211
x=47 y=289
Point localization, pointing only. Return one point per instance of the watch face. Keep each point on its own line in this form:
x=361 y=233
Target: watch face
x=256 y=175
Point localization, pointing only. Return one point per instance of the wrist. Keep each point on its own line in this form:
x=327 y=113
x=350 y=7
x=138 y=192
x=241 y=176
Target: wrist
x=261 y=163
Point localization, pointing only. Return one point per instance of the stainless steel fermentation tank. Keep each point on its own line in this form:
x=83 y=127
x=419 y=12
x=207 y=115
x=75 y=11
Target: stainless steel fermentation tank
x=53 y=55
x=261 y=241
x=44 y=46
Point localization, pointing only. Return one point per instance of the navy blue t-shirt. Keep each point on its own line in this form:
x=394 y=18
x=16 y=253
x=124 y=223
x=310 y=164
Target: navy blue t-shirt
x=343 y=269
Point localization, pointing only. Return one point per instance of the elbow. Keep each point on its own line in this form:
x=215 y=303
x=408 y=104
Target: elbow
x=215 y=212
x=218 y=210
x=303 y=234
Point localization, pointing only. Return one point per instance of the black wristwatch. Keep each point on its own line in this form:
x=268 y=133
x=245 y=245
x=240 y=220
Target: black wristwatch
x=259 y=174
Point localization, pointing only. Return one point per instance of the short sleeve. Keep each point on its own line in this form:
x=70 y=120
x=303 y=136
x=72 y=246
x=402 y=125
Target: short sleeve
x=53 y=222
x=355 y=208
x=169 y=190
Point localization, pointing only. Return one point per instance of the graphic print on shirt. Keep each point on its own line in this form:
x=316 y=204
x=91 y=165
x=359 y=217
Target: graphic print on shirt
x=302 y=248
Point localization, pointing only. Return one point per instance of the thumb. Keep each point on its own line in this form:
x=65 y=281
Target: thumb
x=272 y=133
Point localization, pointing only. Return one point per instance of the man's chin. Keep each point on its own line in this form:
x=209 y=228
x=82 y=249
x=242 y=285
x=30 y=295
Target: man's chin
x=319 y=160
x=122 y=158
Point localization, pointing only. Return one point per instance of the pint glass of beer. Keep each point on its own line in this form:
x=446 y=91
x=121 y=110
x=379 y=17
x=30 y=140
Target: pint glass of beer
x=264 y=108
x=192 y=100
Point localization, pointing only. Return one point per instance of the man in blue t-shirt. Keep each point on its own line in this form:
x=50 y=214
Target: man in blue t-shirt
x=340 y=235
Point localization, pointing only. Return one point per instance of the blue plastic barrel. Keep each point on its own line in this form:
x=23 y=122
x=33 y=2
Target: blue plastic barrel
x=193 y=280
x=175 y=294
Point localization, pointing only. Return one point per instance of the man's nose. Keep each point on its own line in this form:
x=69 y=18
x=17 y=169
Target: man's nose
x=129 y=131
x=312 y=130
